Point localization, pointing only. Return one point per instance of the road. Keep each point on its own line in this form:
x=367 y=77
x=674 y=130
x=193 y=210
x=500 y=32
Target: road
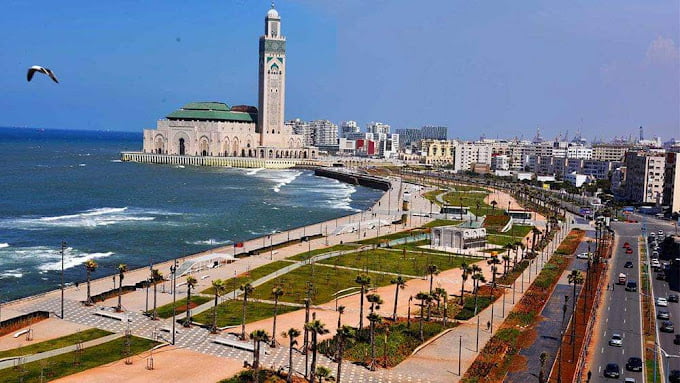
x=661 y=289
x=621 y=310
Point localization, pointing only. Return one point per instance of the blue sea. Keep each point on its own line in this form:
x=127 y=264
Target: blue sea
x=70 y=186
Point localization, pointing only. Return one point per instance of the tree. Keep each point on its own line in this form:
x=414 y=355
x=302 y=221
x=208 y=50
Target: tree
x=440 y=295
x=341 y=310
x=373 y=318
x=191 y=283
x=291 y=334
x=477 y=278
x=400 y=283
x=219 y=287
x=344 y=333
x=247 y=289
x=519 y=245
x=316 y=328
x=493 y=205
x=541 y=373
x=277 y=292
x=432 y=270
x=90 y=267
x=466 y=272
x=424 y=299
x=363 y=280
x=155 y=277
x=324 y=374
x=535 y=232
x=258 y=336
x=122 y=269
x=575 y=278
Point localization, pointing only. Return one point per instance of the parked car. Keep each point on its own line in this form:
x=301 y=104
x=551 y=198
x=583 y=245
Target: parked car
x=660 y=233
x=628 y=265
x=626 y=245
x=663 y=314
x=634 y=364
x=612 y=370
x=667 y=326
x=674 y=376
x=661 y=302
x=673 y=298
x=676 y=340
x=629 y=251
x=583 y=256
x=629 y=380
x=616 y=340
x=631 y=286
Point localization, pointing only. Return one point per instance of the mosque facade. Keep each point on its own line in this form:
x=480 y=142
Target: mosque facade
x=217 y=129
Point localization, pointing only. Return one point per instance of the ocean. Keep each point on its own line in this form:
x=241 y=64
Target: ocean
x=58 y=185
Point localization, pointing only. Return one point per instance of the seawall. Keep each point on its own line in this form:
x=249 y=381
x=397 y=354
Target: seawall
x=354 y=178
x=235 y=162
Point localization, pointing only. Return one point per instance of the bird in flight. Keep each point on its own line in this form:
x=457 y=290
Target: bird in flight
x=37 y=68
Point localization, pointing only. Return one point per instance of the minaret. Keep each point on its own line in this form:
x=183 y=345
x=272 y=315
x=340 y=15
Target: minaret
x=272 y=81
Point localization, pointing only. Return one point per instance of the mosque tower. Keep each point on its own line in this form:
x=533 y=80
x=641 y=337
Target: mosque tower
x=272 y=83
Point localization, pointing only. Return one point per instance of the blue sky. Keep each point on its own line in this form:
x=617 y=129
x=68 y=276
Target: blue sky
x=497 y=68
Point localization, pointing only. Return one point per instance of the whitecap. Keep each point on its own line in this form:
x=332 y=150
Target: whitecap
x=4 y=245
x=210 y=241
x=254 y=171
x=72 y=258
x=14 y=273
x=116 y=161
x=81 y=165
x=89 y=218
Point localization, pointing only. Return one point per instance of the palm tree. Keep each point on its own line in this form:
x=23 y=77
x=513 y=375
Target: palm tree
x=277 y=292
x=509 y=247
x=541 y=373
x=90 y=267
x=291 y=334
x=219 y=287
x=323 y=373
x=316 y=327
x=519 y=245
x=341 y=310
x=247 y=289
x=258 y=336
x=191 y=283
x=506 y=264
x=363 y=280
x=534 y=234
x=466 y=272
x=575 y=278
x=442 y=294
x=344 y=333
x=400 y=283
x=477 y=278
x=493 y=205
x=432 y=270
x=375 y=301
x=122 y=269
x=423 y=297
x=373 y=318
x=155 y=277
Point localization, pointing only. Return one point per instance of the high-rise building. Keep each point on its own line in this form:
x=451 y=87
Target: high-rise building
x=272 y=81
x=325 y=133
x=409 y=136
x=609 y=152
x=302 y=128
x=434 y=132
x=348 y=127
x=378 y=128
x=645 y=172
x=671 y=190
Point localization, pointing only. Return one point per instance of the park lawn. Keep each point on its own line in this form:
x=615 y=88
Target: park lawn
x=229 y=312
x=254 y=274
x=414 y=246
x=165 y=311
x=307 y=254
x=395 y=262
x=470 y=188
x=62 y=365
x=390 y=237
x=442 y=222
x=53 y=344
x=432 y=195
x=326 y=281
x=470 y=200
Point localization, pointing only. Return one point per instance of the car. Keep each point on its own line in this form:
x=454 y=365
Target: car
x=612 y=370
x=676 y=340
x=674 y=376
x=616 y=340
x=631 y=286
x=660 y=233
x=629 y=251
x=667 y=326
x=626 y=245
x=629 y=380
x=634 y=364
x=663 y=314
x=583 y=256
x=673 y=298
x=661 y=302
x=656 y=263
x=628 y=265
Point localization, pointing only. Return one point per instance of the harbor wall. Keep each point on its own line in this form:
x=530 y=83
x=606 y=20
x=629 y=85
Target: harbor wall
x=236 y=162
x=354 y=178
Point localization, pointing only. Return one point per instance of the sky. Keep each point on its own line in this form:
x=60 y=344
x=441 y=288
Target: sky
x=497 y=69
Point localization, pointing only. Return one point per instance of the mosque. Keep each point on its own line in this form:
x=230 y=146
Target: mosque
x=215 y=129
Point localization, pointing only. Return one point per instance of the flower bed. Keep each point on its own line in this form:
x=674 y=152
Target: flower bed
x=569 y=245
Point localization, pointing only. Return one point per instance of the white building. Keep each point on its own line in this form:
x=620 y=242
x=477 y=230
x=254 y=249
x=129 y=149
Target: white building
x=378 y=128
x=347 y=127
x=457 y=237
x=576 y=179
x=500 y=162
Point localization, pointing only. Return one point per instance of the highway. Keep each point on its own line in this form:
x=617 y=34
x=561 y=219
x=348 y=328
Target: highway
x=660 y=288
x=620 y=311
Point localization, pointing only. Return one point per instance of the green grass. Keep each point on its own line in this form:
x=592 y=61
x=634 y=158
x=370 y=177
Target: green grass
x=256 y=273
x=165 y=311
x=53 y=344
x=306 y=254
x=501 y=239
x=468 y=310
x=389 y=237
x=432 y=195
x=229 y=313
x=470 y=200
x=62 y=365
x=414 y=246
x=442 y=222
x=395 y=262
x=326 y=281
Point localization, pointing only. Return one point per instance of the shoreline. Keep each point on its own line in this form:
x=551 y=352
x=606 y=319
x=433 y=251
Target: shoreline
x=251 y=248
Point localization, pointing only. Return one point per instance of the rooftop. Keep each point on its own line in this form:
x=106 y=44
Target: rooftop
x=213 y=111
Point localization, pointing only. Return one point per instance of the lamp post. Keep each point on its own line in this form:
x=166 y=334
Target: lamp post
x=63 y=247
x=173 y=270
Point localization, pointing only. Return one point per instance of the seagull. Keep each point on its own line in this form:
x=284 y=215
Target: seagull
x=37 y=68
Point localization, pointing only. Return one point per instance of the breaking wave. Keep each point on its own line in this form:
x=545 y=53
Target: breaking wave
x=89 y=218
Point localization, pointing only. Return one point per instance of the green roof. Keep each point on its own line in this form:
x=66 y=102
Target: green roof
x=215 y=111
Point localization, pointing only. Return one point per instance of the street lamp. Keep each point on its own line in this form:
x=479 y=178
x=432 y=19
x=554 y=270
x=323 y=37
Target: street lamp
x=173 y=270
x=63 y=247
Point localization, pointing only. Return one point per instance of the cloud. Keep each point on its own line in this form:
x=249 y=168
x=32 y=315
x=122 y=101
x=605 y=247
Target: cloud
x=663 y=51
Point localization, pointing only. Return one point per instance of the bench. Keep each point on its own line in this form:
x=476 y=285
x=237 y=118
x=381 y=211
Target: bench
x=109 y=315
x=168 y=329
x=22 y=332
x=205 y=277
x=234 y=343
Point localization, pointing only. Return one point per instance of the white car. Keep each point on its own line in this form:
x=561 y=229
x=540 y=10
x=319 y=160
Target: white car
x=661 y=302
x=616 y=340
x=583 y=256
x=656 y=263
x=660 y=232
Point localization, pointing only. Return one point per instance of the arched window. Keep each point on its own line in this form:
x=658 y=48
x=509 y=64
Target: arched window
x=182 y=149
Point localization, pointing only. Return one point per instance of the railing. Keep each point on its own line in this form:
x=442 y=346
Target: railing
x=238 y=162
